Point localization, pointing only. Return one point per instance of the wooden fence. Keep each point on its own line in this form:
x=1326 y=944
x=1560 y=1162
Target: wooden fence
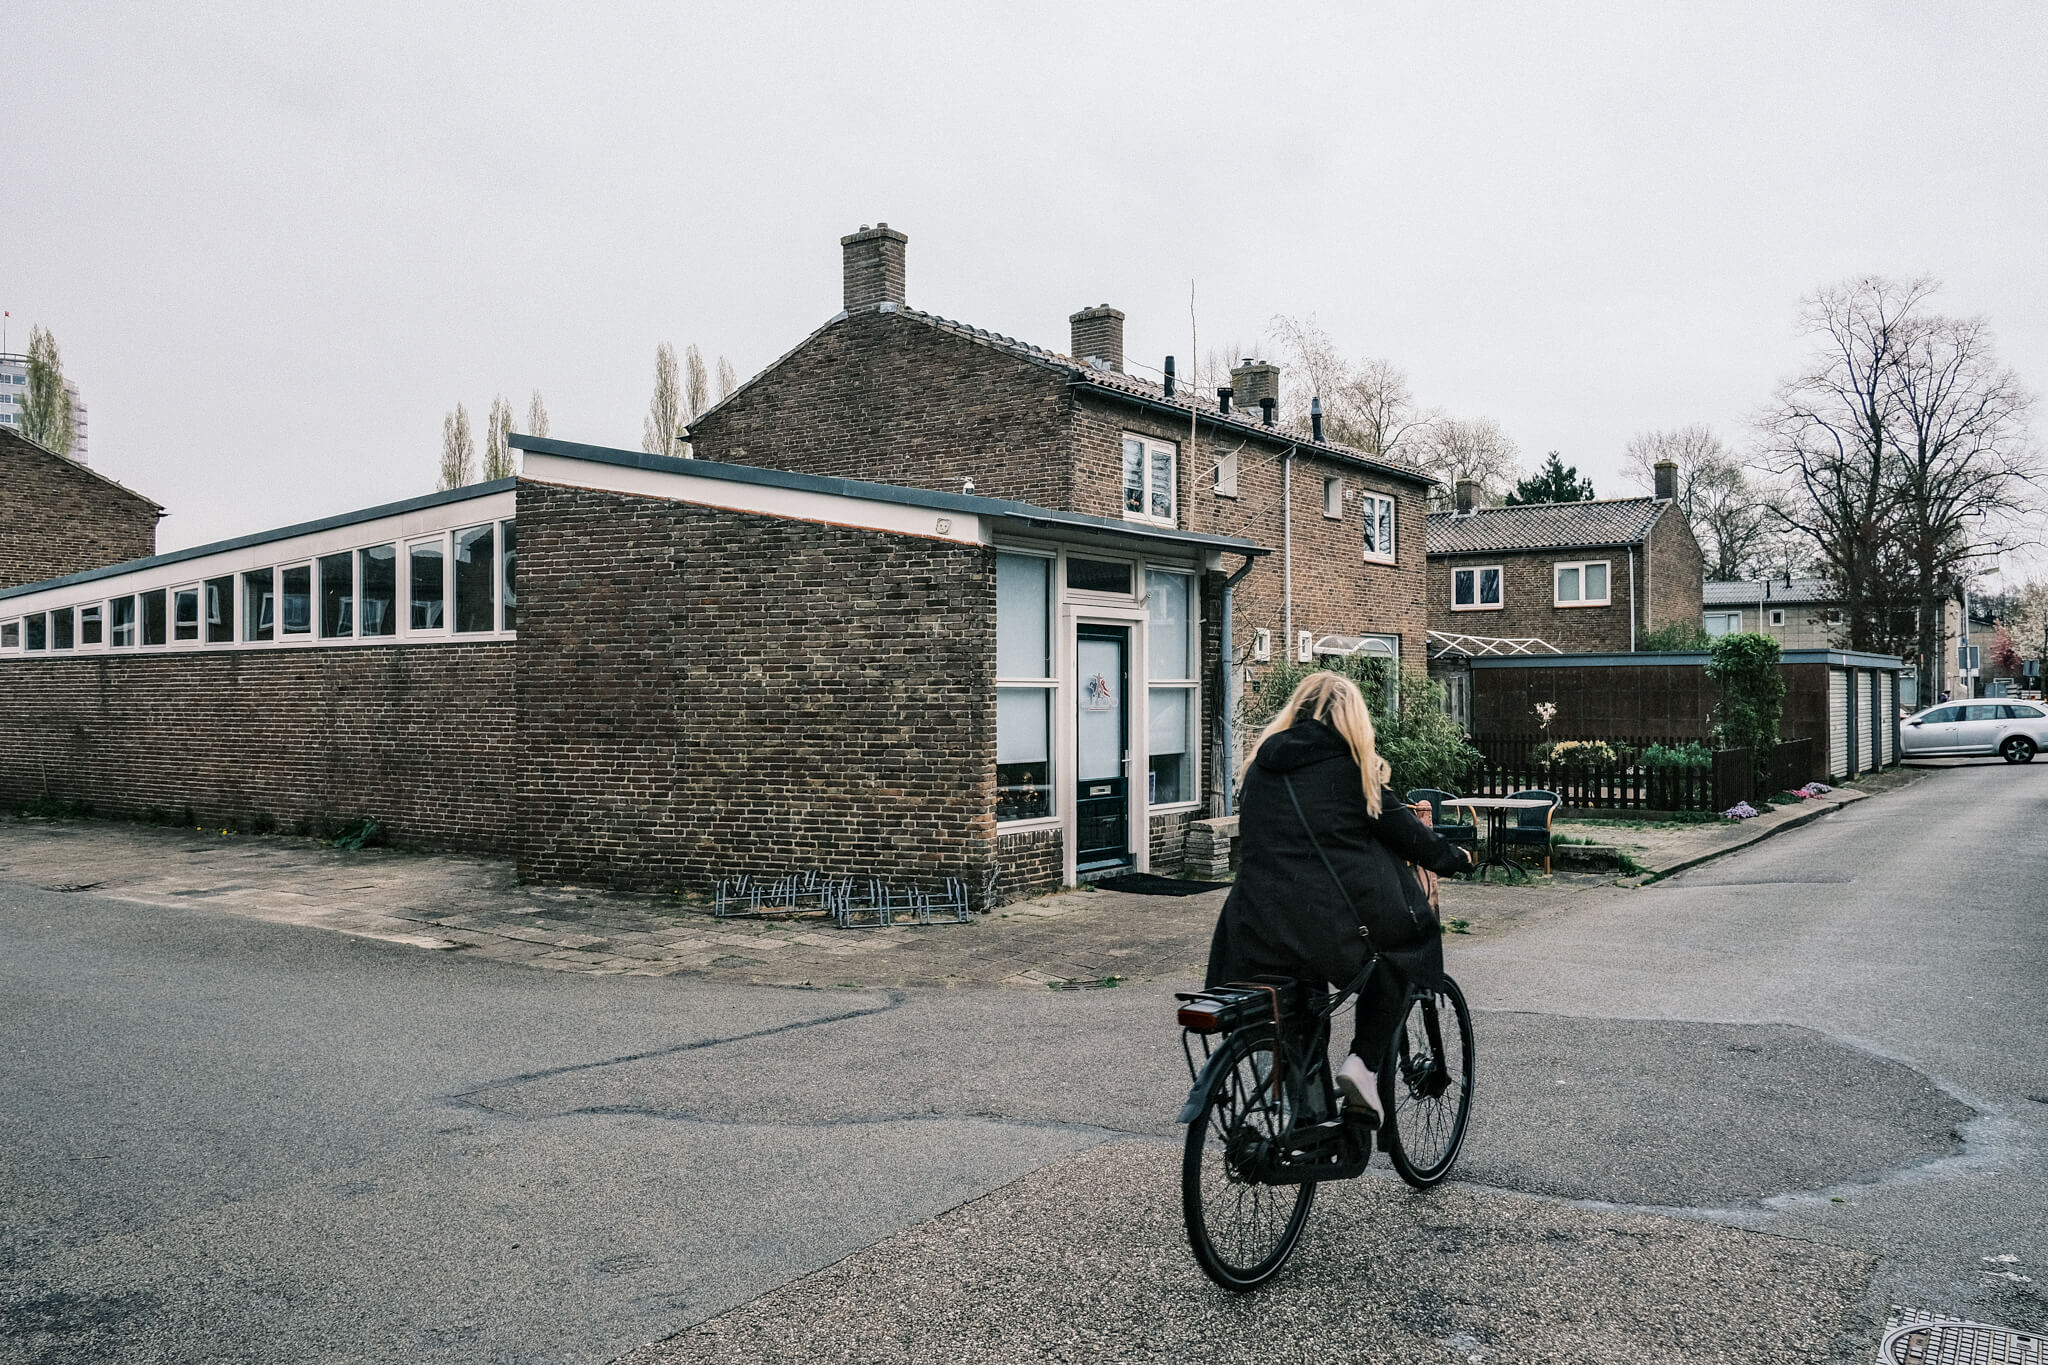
x=1510 y=765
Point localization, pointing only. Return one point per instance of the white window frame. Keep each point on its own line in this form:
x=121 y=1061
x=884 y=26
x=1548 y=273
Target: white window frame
x=1065 y=588
x=1777 y=616
x=1191 y=686
x=406 y=546
x=14 y=648
x=198 y=591
x=1732 y=622
x=1475 y=570
x=312 y=631
x=1333 y=497
x=1557 y=574
x=1050 y=685
x=1149 y=449
x=1224 y=470
x=1370 y=504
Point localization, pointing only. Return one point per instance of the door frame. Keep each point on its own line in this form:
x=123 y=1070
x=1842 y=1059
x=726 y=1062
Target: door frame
x=1137 y=811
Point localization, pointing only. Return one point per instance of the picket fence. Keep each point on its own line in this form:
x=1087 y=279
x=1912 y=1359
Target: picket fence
x=1510 y=765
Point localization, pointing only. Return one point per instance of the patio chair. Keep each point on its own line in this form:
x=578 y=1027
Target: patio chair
x=1532 y=826
x=1457 y=831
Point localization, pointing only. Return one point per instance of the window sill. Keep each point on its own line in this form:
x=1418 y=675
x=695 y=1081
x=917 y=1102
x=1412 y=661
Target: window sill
x=1566 y=606
x=1170 y=523
x=1491 y=606
x=1031 y=826
x=1175 y=808
x=1387 y=560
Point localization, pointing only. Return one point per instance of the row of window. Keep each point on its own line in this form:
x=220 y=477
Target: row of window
x=1150 y=468
x=1581 y=583
x=457 y=582
x=1027 y=682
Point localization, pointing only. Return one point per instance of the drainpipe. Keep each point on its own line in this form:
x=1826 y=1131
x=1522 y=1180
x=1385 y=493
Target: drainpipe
x=1287 y=543
x=1631 y=599
x=1227 y=721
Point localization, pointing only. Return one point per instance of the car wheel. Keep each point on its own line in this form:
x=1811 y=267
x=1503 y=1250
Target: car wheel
x=2018 y=749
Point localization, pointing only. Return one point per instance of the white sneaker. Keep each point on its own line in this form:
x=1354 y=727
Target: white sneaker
x=1359 y=1087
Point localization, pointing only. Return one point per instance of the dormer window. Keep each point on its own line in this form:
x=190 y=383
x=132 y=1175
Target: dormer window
x=1149 y=480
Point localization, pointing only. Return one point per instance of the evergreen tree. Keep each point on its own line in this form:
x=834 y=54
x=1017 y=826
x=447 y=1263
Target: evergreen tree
x=1553 y=481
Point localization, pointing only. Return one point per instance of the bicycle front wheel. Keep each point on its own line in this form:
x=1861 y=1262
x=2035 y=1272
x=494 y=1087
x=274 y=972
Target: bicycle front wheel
x=1426 y=1085
x=1242 y=1231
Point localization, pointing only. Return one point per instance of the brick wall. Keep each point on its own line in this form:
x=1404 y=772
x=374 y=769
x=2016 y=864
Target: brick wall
x=1528 y=600
x=421 y=737
x=1031 y=863
x=879 y=396
x=57 y=517
x=704 y=692
x=1677 y=570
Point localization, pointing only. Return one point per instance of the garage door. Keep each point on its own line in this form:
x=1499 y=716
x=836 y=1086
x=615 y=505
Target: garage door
x=1888 y=717
x=1866 y=721
x=1838 y=723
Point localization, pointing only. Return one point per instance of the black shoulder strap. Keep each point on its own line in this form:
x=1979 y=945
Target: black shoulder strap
x=1328 y=867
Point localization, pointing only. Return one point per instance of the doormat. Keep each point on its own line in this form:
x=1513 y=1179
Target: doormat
x=1145 y=884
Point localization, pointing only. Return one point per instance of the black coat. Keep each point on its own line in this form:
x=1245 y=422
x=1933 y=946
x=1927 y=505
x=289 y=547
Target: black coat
x=1285 y=915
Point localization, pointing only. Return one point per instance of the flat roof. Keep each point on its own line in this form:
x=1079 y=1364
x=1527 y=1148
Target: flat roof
x=965 y=503
x=389 y=509
x=1837 y=658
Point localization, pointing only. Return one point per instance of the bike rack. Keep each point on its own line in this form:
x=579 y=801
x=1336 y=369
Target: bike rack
x=853 y=903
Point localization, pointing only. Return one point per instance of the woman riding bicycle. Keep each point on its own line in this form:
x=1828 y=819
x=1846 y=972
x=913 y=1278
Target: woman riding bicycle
x=1315 y=812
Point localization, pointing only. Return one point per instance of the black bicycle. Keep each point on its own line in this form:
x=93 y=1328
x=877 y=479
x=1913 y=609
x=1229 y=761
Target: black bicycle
x=1266 y=1124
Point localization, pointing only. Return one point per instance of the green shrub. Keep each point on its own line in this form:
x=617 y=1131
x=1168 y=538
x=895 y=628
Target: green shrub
x=1752 y=691
x=1680 y=637
x=1692 y=756
x=1573 y=755
x=359 y=834
x=1421 y=744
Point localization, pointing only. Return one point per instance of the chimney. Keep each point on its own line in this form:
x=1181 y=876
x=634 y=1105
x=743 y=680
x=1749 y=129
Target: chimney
x=1469 y=495
x=1223 y=400
x=1315 y=419
x=1667 y=480
x=874 y=266
x=1266 y=406
x=1169 y=376
x=1098 y=337
x=1255 y=381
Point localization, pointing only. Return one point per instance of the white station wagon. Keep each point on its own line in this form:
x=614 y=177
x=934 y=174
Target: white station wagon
x=2014 y=730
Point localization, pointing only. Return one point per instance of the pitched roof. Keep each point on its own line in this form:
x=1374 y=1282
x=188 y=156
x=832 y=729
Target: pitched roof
x=1114 y=384
x=1745 y=592
x=14 y=441
x=1545 y=526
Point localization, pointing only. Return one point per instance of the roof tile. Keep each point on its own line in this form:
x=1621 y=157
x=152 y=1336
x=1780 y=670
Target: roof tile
x=1544 y=526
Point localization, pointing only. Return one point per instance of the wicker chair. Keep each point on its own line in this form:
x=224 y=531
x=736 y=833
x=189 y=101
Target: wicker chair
x=1532 y=826
x=1457 y=831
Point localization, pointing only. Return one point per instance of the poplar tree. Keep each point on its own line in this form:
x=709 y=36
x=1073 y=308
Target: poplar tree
x=46 y=414
x=536 y=416
x=498 y=454
x=458 y=450
x=664 y=418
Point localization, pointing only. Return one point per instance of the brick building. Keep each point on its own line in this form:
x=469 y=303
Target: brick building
x=1581 y=577
x=58 y=517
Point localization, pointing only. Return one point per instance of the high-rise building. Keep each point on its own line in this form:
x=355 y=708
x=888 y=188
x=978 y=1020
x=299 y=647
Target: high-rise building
x=14 y=396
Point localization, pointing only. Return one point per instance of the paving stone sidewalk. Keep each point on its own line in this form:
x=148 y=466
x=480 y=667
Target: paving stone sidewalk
x=443 y=902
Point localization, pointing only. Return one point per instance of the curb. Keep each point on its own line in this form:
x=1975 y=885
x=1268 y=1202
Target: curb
x=1799 y=821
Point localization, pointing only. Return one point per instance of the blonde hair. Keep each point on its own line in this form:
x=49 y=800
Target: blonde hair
x=1336 y=701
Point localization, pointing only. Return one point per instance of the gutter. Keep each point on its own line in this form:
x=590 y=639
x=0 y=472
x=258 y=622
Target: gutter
x=1227 y=721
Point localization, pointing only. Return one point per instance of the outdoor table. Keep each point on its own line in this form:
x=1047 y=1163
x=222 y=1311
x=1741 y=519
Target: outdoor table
x=1497 y=808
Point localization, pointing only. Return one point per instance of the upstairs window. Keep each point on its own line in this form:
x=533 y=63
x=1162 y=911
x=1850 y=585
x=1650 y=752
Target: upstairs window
x=10 y=635
x=1226 y=473
x=121 y=613
x=1583 y=584
x=60 y=629
x=1149 y=482
x=1476 y=589
x=1379 y=527
x=38 y=629
x=1333 y=503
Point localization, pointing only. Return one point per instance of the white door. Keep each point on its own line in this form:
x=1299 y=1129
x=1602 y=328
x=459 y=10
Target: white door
x=1838 y=723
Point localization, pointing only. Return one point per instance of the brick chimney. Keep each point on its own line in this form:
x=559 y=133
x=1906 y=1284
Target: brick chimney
x=1098 y=335
x=1469 y=497
x=874 y=266
x=1254 y=381
x=1667 y=480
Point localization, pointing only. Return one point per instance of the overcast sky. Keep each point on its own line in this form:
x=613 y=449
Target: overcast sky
x=278 y=243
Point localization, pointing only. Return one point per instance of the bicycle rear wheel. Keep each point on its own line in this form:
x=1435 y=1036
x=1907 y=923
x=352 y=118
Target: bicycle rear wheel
x=1426 y=1085
x=1241 y=1231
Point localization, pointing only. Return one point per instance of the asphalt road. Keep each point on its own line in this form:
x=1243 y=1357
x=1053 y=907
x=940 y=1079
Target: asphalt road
x=1766 y=1096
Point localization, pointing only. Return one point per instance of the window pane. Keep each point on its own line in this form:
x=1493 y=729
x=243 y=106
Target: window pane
x=1489 y=587
x=1023 y=752
x=1461 y=585
x=60 y=629
x=187 y=616
x=1098 y=575
x=475 y=555
x=1172 y=650
x=220 y=610
x=1134 y=475
x=38 y=632
x=1596 y=582
x=1171 y=766
x=10 y=635
x=259 y=604
x=428 y=585
x=1162 y=483
x=377 y=570
x=1387 y=527
x=295 y=594
x=1568 y=585
x=1372 y=529
x=88 y=625
x=337 y=596
x=1333 y=497
x=509 y=549
x=1023 y=616
x=123 y=617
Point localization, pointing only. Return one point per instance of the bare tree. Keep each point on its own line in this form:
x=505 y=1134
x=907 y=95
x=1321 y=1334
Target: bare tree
x=696 y=384
x=458 y=450
x=1715 y=493
x=498 y=454
x=1366 y=404
x=727 y=379
x=1907 y=451
x=662 y=431
x=45 y=416
x=536 y=415
x=1453 y=448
